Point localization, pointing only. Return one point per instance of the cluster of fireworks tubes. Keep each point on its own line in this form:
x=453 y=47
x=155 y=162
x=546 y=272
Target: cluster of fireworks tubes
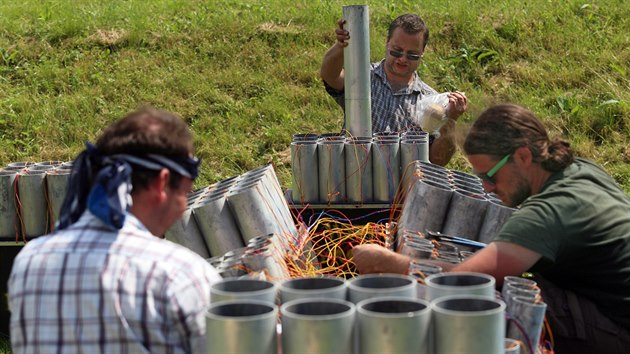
x=31 y=194
x=331 y=168
x=458 y=312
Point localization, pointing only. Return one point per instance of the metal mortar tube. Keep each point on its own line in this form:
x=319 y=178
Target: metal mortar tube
x=31 y=192
x=185 y=232
x=425 y=207
x=459 y=283
x=306 y=287
x=56 y=188
x=432 y=167
x=331 y=170
x=217 y=225
x=530 y=314
x=253 y=211
x=465 y=215
x=358 y=158
x=415 y=250
x=280 y=205
x=356 y=62
x=385 y=169
x=465 y=176
x=317 y=326
x=21 y=165
x=496 y=215
x=468 y=324
x=242 y=327
x=8 y=214
x=9 y=226
x=526 y=285
x=467 y=185
x=305 y=186
x=393 y=325
x=231 y=289
x=264 y=259
x=369 y=286
x=413 y=150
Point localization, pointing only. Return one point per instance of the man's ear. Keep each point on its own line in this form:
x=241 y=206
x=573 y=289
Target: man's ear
x=160 y=183
x=523 y=156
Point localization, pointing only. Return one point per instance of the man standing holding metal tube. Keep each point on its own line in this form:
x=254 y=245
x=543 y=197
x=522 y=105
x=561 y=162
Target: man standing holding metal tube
x=103 y=282
x=572 y=230
x=396 y=88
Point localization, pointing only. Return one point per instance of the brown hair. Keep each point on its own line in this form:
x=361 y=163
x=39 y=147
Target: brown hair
x=503 y=128
x=148 y=131
x=411 y=24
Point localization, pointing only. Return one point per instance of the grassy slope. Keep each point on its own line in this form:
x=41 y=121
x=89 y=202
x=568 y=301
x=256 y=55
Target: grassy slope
x=244 y=74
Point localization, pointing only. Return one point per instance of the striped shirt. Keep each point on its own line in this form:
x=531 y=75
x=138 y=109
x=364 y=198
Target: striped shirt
x=92 y=289
x=391 y=111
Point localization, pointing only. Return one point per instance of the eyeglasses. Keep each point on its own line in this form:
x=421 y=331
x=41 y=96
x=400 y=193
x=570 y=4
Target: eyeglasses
x=488 y=176
x=399 y=54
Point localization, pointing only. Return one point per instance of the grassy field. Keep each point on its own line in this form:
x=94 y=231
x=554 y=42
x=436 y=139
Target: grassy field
x=245 y=74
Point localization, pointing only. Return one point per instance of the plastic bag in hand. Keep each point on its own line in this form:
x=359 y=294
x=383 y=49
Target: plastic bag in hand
x=431 y=113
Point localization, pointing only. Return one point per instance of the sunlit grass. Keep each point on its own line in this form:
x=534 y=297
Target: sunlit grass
x=245 y=74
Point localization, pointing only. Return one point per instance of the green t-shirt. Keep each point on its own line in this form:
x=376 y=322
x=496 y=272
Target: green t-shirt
x=580 y=224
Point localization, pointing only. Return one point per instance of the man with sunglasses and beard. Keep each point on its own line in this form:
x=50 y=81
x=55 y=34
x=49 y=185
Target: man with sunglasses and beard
x=396 y=87
x=572 y=230
x=106 y=281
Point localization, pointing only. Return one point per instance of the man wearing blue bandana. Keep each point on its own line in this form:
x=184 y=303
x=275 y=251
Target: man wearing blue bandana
x=106 y=281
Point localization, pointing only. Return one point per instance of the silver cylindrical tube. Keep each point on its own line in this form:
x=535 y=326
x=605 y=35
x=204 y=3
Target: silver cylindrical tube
x=459 y=283
x=317 y=326
x=356 y=62
x=358 y=160
x=414 y=149
x=331 y=170
x=425 y=207
x=468 y=324
x=266 y=260
x=465 y=215
x=243 y=289
x=305 y=185
x=242 y=327
x=385 y=170
x=56 y=188
x=217 y=224
x=9 y=227
x=185 y=232
x=313 y=287
x=530 y=314
x=31 y=192
x=496 y=215
x=253 y=211
x=369 y=286
x=389 y=325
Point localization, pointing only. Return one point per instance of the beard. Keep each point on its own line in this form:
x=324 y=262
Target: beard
x=521 y=192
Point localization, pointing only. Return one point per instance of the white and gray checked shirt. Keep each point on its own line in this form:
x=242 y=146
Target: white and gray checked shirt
x=391 y=111
x=92 y=289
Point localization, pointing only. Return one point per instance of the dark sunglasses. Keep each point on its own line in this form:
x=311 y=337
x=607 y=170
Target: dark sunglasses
x=399 y=54
x=489 y=176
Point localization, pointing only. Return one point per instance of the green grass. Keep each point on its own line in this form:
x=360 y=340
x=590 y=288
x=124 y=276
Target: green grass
x=245 y=74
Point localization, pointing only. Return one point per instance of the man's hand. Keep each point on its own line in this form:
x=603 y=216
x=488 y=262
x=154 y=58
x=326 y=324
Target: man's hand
x=457 y=104
x=342 y=34
x=371 y=258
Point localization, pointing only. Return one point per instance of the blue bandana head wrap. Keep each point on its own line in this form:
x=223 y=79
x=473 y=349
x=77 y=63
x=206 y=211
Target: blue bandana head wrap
x=108 y=196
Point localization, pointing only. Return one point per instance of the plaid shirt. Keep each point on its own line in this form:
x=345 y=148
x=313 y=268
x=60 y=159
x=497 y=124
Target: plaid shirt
x=391 y=111
x=92 y=289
